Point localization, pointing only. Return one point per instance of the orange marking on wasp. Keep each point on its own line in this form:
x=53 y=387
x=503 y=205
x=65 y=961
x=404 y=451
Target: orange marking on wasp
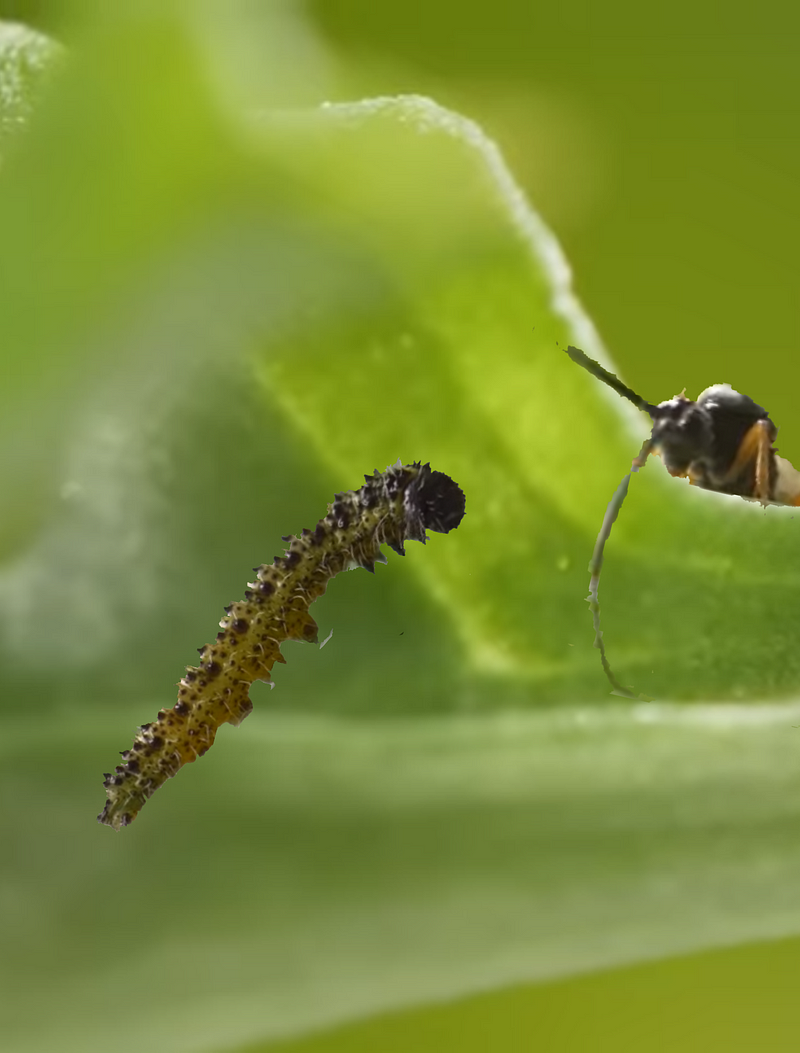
x=755 y=449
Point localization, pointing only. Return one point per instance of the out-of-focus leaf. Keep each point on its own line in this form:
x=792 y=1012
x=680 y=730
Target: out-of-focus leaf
x=732 y=998
x=207 y=328
x=25 y=56
x=314 y=870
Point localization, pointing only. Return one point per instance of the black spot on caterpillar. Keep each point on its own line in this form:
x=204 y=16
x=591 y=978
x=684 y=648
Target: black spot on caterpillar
x=391 y=508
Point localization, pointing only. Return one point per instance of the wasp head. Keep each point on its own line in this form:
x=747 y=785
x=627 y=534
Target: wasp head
x=683 y=433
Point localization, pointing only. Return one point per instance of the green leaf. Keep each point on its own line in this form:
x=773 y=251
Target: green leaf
x=207 y=327
x=715 y=1000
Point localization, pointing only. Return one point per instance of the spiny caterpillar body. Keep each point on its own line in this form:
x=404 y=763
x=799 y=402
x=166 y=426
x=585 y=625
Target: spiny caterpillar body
x=393 y=507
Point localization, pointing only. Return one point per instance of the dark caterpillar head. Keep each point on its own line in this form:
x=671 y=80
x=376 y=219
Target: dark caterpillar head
x=434 y=502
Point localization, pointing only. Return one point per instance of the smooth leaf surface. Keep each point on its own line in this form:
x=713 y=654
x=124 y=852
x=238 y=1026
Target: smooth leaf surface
x=208 y=327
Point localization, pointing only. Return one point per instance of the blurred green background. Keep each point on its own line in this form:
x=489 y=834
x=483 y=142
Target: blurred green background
x=219 y=305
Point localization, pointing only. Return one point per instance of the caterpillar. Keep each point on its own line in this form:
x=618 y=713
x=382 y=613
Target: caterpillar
x=391 y=508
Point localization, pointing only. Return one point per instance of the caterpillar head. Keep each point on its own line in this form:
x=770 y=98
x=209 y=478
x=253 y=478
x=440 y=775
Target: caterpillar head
x=433 y=502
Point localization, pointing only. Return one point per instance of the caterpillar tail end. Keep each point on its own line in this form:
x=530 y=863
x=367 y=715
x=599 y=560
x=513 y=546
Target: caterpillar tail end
x=118 y=813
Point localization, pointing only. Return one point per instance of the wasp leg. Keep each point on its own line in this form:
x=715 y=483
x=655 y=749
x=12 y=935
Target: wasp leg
x=754 y=447
x=640 y=459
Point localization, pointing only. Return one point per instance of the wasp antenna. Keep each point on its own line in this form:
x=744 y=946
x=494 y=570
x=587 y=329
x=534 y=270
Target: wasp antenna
x=580 y=358
x=595 y=567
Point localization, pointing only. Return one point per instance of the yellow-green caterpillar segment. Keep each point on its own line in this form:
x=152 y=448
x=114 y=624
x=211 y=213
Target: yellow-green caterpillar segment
x=392 y=507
